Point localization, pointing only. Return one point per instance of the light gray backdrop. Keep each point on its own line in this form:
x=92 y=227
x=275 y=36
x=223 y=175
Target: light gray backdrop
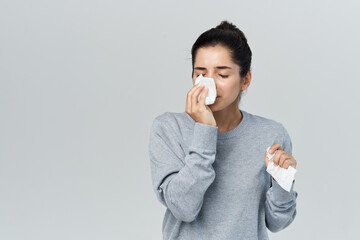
x=82 y=81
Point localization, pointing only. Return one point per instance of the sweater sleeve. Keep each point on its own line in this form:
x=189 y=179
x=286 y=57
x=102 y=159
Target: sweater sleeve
x=181 y=180
x=280 y=205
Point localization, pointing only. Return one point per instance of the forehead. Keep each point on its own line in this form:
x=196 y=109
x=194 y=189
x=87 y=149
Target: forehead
x=212 y=56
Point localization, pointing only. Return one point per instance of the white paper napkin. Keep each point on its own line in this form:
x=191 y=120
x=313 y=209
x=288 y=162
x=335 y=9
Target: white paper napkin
x=283 y=176
x=210 y=83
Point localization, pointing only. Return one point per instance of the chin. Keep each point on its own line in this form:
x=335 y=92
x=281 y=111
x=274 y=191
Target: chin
x=213 y=106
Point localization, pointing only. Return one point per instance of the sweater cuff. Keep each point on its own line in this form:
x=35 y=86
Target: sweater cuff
x=205 y=136
x=281 y=194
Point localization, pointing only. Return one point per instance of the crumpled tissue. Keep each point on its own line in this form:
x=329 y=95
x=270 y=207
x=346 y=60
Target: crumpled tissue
x=283 y=176
x=210 y=83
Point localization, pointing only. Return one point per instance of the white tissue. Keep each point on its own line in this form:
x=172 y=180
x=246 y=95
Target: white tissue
x=210 y=83
x=283 y=176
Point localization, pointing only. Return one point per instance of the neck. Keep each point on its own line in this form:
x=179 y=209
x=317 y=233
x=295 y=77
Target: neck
x=228 y=118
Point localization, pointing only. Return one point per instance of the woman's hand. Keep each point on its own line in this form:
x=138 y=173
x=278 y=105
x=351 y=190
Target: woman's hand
x=281 y=158
x=198 y=110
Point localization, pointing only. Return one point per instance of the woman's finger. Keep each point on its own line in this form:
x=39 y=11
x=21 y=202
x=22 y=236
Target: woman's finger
x=189 y=98
x=284 y=156
x=274 y=147
x=290 y=162
x=194 y=97
x=277 y=156
x=286 y=163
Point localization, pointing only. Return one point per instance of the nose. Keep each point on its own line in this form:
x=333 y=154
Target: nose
x=210 y=75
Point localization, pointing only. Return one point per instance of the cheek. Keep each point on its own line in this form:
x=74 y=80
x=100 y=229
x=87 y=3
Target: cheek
x=228 y=89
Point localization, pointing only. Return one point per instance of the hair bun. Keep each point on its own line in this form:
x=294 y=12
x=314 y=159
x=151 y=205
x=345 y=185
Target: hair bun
x=225 y=25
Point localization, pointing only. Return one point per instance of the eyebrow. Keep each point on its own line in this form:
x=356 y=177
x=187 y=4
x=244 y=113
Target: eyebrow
x=218 y=67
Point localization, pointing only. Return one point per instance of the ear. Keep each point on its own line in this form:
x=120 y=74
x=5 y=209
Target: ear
x=247 y=81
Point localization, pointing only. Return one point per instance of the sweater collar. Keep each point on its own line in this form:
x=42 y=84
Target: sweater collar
x=232 y=133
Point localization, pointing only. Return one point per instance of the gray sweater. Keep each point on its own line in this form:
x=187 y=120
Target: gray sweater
x=215 y=185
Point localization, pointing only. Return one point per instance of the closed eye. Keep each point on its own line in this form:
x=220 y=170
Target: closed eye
x=223 y=76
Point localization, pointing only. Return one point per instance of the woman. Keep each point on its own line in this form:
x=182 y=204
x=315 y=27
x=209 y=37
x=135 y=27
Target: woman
x=208 y=164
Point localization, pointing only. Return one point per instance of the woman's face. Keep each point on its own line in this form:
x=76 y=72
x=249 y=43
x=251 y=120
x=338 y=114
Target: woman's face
x=215 y=62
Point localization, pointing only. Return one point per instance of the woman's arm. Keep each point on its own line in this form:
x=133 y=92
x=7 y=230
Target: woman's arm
x=178 y=186
x=280 y=205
